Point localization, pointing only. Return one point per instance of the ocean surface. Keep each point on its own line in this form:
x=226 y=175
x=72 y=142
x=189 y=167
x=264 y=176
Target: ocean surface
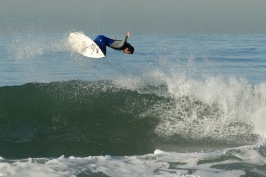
x=181 y=106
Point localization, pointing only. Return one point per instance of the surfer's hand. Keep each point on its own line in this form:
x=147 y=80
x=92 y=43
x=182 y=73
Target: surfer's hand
x=128 y=34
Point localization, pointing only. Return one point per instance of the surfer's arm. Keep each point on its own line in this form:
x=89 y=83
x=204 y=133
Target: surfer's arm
x=117 y=44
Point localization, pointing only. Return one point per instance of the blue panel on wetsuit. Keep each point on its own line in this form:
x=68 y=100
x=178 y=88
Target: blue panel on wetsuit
x=102 y=42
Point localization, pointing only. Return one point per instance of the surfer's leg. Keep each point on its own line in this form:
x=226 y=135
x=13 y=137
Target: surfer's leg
x=102 y=42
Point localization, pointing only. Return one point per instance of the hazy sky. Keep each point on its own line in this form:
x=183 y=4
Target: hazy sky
x=138 y=16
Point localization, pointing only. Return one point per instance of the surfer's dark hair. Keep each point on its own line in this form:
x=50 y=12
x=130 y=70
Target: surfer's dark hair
x=130 y=48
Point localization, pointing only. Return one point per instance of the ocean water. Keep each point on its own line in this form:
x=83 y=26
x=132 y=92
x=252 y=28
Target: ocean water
x=181 y=106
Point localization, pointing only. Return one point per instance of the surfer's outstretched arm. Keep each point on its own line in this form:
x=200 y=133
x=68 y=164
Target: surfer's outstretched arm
x=117 y=44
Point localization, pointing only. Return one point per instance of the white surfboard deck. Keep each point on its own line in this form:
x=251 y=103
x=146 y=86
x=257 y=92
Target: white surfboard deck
x=84 y=45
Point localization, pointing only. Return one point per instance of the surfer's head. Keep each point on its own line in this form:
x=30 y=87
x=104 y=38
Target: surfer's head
x=128 y=49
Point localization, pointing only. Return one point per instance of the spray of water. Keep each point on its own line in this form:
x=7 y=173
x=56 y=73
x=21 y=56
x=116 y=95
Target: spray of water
x=32 y=45
x=210 y=108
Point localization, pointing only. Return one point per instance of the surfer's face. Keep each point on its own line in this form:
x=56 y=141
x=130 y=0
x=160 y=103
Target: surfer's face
x=126 y=51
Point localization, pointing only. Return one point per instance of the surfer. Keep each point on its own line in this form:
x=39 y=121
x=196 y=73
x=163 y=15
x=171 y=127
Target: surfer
x=122 y=45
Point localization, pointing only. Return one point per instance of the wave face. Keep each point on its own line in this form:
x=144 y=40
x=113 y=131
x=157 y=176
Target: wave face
x=74 y=118
x=125 y=118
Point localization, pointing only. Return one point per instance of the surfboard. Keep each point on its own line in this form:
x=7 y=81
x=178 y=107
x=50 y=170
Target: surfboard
x=84 y=45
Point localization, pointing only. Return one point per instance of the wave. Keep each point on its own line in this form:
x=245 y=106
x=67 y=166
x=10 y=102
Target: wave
x=127 y=117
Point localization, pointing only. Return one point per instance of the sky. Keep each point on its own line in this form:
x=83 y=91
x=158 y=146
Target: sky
x=137 y=16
